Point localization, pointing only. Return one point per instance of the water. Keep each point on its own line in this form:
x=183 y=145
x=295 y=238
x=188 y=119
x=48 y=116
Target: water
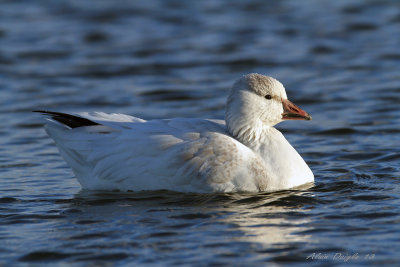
x=339 y=60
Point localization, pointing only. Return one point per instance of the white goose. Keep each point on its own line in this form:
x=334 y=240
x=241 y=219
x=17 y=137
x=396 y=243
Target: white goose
x=245 y=153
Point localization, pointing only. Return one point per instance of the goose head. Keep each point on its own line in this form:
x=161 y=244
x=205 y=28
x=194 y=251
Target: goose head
x=256 y=102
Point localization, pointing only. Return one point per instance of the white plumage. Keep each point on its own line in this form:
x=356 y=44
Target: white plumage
x=116 y=151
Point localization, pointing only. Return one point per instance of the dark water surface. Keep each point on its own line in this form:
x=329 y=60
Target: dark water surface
x=339 y=60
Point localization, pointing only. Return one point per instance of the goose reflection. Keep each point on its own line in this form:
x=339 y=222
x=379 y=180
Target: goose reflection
x=274 y=219
x=175 y=220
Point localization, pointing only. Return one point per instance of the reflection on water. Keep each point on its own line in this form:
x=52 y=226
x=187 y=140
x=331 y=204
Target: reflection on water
x=154 y=222
x=271 y=224
x=339 y=60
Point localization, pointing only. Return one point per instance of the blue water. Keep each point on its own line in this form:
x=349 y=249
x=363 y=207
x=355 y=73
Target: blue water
x=339 y=60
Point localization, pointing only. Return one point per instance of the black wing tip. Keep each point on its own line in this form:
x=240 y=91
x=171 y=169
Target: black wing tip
x=69 y=120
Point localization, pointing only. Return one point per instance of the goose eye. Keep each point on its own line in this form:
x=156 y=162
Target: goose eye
x=269 y=97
